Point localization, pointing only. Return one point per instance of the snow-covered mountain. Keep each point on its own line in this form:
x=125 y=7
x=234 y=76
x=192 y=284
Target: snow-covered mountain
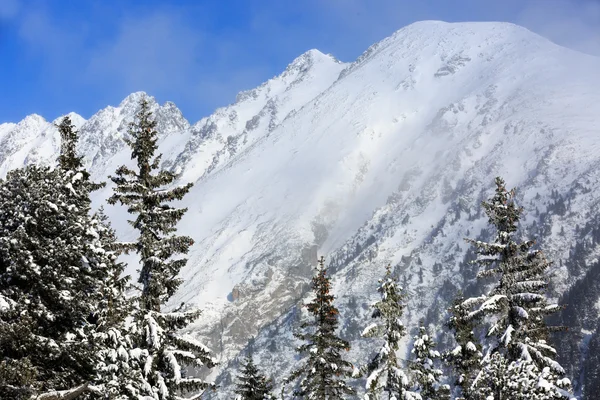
x=382 y=160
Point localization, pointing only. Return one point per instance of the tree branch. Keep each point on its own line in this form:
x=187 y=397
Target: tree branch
x=69 y=394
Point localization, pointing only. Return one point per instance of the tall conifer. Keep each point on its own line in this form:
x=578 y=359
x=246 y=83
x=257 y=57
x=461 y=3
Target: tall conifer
x=323 y=374
x=466 y=356
x=145 y=191
x=252 y=384
x=425 y=367
x=517 y=356
x=385 y=377
x=55 y=272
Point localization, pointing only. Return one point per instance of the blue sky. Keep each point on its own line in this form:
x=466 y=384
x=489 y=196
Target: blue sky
x=61 y=56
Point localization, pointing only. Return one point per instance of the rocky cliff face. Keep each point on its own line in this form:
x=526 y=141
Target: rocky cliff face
x=384 y=160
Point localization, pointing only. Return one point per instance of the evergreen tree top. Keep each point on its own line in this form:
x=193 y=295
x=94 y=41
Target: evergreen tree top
x=144 y=192
x=502 y=211
x=384 y=372
x=322 y=374
x=515 y=308
x=68 y=159
x=143 y=138
x=252 y=384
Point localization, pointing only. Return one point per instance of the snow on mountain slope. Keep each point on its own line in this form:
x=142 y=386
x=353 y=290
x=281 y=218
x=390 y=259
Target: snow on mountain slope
x=256 y=113
x=384 y=160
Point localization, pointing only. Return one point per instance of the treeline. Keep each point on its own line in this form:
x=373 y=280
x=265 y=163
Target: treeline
x=501 y=351
x=70 y=327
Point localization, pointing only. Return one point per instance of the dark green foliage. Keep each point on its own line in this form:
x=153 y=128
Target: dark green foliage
x=591 y=380
x=384 y=372
x=516 y=306
x=324 y=372
x=465 y=358
x=144 y=194
x=252 y=384
x=68 y=159
x=49 y=273
x=163 y=353
x=425 y=367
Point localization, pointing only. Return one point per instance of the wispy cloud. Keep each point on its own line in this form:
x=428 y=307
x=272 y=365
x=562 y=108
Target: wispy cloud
x=49 y=39
x=9 y=9
x=571 y=23
x=153 y=53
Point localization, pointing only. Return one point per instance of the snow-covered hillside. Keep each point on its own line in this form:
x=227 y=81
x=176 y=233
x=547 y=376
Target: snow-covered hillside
x=383 y=160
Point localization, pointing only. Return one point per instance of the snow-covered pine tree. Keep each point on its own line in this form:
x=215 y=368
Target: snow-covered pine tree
x=322 y=376
x=516 y=348
x=425 y=367
x=163 y=353
x=466 y=356
x=252 y=384
x=108 y=325
x=68 y=159
x=50 y=275
x=385 y=377
x=70 y=163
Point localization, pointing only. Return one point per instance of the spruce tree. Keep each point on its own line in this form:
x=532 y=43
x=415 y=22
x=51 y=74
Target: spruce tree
x=68 y=158
x=385 y=377
x=57 y=273
x=252 y=384
x=322 y=375
x=108 y=330
x=51 y=273
x=424 y=366
x=70 y=163
x=466 y=356
x=163 y=353
x=515 y=308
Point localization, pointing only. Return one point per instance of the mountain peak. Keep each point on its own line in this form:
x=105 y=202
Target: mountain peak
x=31 y=121
x=76 y=120
x=305 y=61
x=135 y=97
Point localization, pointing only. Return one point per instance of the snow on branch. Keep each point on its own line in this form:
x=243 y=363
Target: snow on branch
x=69 y=394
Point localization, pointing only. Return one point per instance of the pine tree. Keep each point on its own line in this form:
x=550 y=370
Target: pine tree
x=423 y=365
x=322 y=375
x=115 y=368
x=252 y=384
x=50 y=274
x=158 y=348
x=57 y=274
x=384 y=372
x=515 y=308
x=465 y=358
x=68 y=160
x=108 y=334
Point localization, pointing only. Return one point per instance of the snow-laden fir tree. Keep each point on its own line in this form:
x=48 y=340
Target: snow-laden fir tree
x=425 y=367
x=108 y=336
x=252 y=384
x=516 y=347
x=323 y=374
x=53 y=270
x=465 y=357
x=385 y=377
x=164 y=354
x=70 y=163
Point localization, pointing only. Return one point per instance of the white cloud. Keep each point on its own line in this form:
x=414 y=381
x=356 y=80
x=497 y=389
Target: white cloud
x=9 y=9
x=150 y=53
x=574 y=24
